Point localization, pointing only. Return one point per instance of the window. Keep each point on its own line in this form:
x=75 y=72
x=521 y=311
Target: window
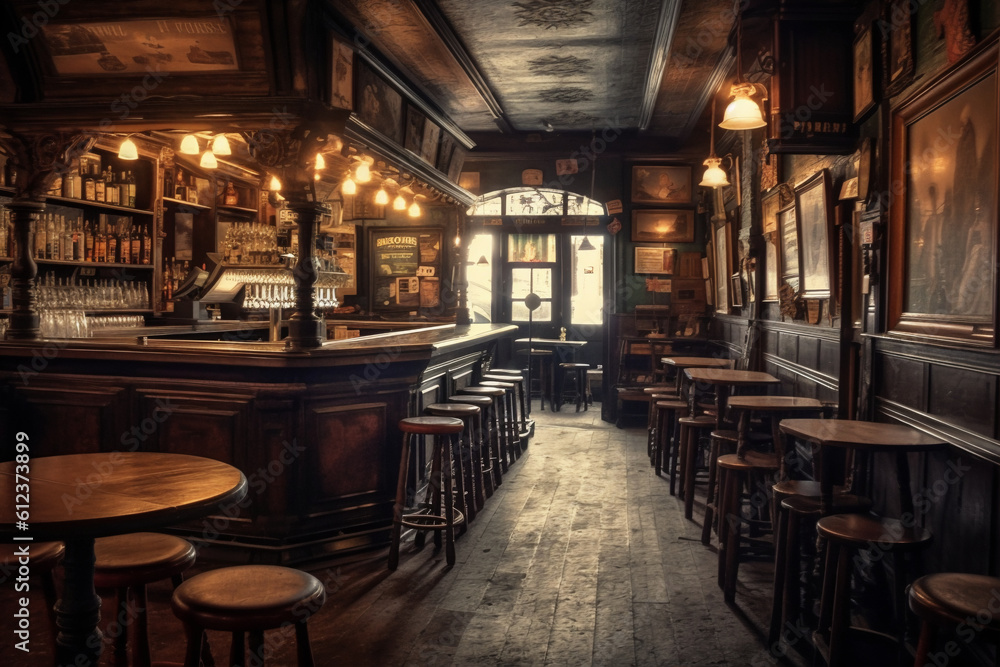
x=587 y=296
x=479 y=273
x=535 y=201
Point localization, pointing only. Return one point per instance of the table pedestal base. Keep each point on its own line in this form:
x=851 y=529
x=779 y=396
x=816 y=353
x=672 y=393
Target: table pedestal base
x=79 y=610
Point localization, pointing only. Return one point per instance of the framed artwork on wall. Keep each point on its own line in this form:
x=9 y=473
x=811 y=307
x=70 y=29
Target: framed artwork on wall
x=943 y=217
x=814 y=218
x=788 y=248
x=341 y=75
x=723 y=265
x=379 y=105
x=864 y=72
x=897 y=48
x=661 y=184
x=655 y=260
x=663 y=226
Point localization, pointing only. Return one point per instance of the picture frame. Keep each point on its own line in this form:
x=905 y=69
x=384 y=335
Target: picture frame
x=814 y=218
x=429 y=144
x=413 y=137
x=771 y=202
x=655 y=260
x=378 y=104
x=661 y=184
x=405 y=267
x=864 y=72
x=723 y=267
x=788 y=248
x=736 y=289
x=341 y=75
x=897 y=50
x=663 y=225
x=942 y=241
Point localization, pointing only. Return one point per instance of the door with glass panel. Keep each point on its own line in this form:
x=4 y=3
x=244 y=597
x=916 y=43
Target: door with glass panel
x=531 y=268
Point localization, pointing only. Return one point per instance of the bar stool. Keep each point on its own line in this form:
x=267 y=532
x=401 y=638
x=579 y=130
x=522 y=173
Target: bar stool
x=792 y=512
x=126 y=563
x=44 y=558
x=465 y=484
x=513 y=451
x=845 y=534
x=248 y=599
x=691 y=429
x=664 y=442
x=483 y=443
x=519 y=415
x=498 y=439
x=522 y=393
x=544 y=375
x=658 y=392
x=953 y=600
x=723 y=442
x=579 y=374
x=427 y=517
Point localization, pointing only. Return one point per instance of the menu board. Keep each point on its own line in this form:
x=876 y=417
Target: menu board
x=406 y=266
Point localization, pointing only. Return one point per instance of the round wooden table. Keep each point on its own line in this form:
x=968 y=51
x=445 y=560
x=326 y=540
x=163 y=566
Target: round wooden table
x=862 y=436
x=724 y=379
x=79 y=497
x=775 y=407
x=680 y=363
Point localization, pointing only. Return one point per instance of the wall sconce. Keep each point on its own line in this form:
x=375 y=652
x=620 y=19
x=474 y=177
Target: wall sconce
x=743 y=113
x=381 y=197
x=714 y=176
x=220 y=145
x=128 y=151
x=414 y=210
x=189 y=145
x=399 y=203
x=208 y=160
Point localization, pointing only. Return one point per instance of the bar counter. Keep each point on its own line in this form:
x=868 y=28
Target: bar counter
x=314 y=431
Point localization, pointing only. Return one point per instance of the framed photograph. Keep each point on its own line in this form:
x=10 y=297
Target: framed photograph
x=814 y=217
x=864 y=72
x=413 y=139
x=661 y=184
x=655 y=260
x=429 y=143
x=770 y=204
x=663 y=226
x=737 y=290
x=379 y=105
x=788 y=248
x=723 y=265
x=898 y=47
x=943 y=218
x=341 y=75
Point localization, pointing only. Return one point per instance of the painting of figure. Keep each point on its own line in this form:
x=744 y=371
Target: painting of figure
x=661 y=185
x=379 y=105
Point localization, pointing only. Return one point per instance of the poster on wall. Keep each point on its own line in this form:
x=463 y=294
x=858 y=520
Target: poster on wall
x=396 y=255
x=406 y=265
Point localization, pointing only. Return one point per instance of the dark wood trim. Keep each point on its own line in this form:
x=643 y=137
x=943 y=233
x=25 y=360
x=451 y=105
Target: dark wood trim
x=973 y=443
x=810 y=374
x=438 y=21
x=666 y=24
x=810 y=330
x=923 y=350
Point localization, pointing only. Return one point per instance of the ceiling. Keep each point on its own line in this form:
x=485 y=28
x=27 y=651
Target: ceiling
x=509 y=66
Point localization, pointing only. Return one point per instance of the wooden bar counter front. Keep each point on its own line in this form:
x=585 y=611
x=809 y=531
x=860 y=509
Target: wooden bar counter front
x=315 y=432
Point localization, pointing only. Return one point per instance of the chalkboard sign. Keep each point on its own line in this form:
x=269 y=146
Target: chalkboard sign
x=406 y=265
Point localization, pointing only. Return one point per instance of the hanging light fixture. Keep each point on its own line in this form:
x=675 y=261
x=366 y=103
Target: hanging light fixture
x=586 y=245
x=128 y=151
x=189 y=145
x=349 y=187
x=363 y=173
x=482 y=261
x=399 y=203
x=220 y=145
x=208 y=160
x=381 y=197
x=320 y=161
x=714 y=176
x=275 y=184
x=414 y=210
x=743 y=113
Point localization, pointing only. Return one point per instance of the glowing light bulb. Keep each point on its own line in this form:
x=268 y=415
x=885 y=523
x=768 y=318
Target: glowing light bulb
x=208 y=160
x=275 y=185
x=363 y=173
x=189 y=145
x=320 y=161
x=381 y=197
x=127 y=151
x=414 y=210
x=399 y=204
x=220 y=146
x=349 y=187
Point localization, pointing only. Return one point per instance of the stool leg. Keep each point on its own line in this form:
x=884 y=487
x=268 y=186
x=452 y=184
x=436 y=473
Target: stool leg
x=439 y=469
x=397 y=508
x=256 y=641
x=141 y=656
x=791 y=598
x=682 y=464
x=494 y=445
x=841 y=605
x=711 y=501
x=195 y=636
x=303 y=648
x=121 y=640
x=778 y=588
x=579 y=390
x=449 y=510
x=691 y=447
x=927 y=632
x=476 y=453
x=457 y=469
x=237 y=652
x=733 y=535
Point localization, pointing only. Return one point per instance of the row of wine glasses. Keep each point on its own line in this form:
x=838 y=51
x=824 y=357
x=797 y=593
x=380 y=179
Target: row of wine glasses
x=116 y=322
x=283 y=296
x=92 y=294
x=65 y=324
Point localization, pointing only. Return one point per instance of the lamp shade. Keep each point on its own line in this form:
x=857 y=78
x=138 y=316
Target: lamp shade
x=320 y=161
x=274 y=185
x=128 y=151
x=742 y=113
x=399 y=203
x=208 y=160
x=381 y=197
x=414 y=210
x=349 y=187
x=363 y=173
x=220 y=146
x=587 y=245
x=714 y=176
x=189 y=145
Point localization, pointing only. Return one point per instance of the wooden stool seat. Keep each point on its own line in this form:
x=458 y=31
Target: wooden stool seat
x=660 y=389
x=671 y=404
x=457 y=410
x=483 y=391
x=486 y=456
x=480 y=401
x=431 y=425
x=139 y=558
x=843 y=504
x=664 y=445
x=569 y=366
x=44 y=555
x=951 y=600
x=248 y=598
x=801 y=487
x=751 y=460
x=858 y=530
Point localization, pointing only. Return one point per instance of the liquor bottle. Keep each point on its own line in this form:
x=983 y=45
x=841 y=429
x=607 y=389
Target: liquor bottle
x=110 y=187
x=136 y=250
x=89 y=187
x=40 y=238
x=112 y=244
x=232 y=198
x=100 y=187
x=101 y=242
x=123 y=190
x=88 y=243
x=147 y=243
x=77 y=240
x=125 y=246
x=51 y=238
x=130 y=182
x=65 y=240
x=71 y=185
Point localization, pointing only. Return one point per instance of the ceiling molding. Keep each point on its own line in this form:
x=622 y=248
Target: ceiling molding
x=443 y=28
x=431 y=112
x=723 y=66
x=670 y=11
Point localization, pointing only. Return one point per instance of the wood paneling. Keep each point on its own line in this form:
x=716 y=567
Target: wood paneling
x=345 y=455
x=199 y=423
x=958 y=396
x=64 y=416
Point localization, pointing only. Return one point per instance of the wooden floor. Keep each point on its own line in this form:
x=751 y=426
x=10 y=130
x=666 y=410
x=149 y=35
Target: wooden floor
x=582 y=557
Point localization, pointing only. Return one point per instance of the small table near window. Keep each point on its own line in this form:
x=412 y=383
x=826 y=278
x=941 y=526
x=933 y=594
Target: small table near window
x=562 y=351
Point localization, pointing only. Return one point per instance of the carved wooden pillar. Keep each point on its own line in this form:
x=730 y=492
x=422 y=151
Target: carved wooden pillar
x=461 y=285
x=24 y=318
x=305 y=328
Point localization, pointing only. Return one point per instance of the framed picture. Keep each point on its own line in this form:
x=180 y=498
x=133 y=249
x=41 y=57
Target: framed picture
x=663 y=226
x=864 y=72
x=655 y=260
x=814 y=217
x=770 y=204
x=429 y=143
x=737 y=290
x=898 y=48
x=723 y=264
x=788 y=247
x=661 y=185
x=379 y=105
x=405 y=266
x=445 y=149
x=943 y=217
x=413 y=139
x=341 y=75
x=455 y=164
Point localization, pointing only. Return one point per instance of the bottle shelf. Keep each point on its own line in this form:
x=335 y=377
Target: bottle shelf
x=181 y=202
x=72 y=202
x=102 y=265
x=236 y=209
